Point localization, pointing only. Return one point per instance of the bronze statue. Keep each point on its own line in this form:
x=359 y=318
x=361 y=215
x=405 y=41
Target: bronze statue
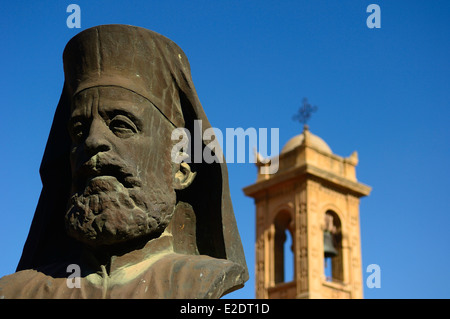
x=113 y=201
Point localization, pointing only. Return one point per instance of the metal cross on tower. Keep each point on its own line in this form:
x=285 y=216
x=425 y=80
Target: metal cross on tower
x=304 y=112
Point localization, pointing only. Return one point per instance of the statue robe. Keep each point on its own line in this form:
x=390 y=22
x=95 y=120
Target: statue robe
x=167 y=267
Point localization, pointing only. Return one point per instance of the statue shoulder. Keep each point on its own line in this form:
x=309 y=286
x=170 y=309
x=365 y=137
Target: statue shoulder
x=196 y=276
x=22 y=284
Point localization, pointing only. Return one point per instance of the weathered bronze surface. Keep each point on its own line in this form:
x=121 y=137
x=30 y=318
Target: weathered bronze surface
x=113 y=201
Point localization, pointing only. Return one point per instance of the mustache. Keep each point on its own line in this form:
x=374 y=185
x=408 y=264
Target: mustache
x=103 y=164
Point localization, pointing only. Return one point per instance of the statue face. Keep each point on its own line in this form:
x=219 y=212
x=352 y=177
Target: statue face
x=122 y=173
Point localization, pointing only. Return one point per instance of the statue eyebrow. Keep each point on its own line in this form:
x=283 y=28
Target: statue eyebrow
x=110 y=115
x=154 y=105
x=76 y=118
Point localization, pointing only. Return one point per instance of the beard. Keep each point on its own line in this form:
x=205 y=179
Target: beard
x=108 y=213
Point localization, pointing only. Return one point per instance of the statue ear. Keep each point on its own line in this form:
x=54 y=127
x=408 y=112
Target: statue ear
x=184 y=176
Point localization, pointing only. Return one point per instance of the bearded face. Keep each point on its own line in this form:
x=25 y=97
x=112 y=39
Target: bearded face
x=122 y=172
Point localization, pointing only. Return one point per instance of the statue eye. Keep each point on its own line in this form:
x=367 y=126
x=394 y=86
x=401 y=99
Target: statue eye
x=122 y=126
x=77 y=131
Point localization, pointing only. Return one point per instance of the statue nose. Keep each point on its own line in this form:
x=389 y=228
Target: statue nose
x=96 y=141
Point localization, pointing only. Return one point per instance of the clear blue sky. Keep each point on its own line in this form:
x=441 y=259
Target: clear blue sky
x=383 y=92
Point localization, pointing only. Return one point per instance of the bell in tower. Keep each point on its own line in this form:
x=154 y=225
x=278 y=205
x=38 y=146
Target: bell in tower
x=328 y=246
x=328 y=242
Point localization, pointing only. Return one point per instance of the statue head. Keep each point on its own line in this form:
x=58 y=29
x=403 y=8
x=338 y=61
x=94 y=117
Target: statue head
x=107 y=171
x=123 y=179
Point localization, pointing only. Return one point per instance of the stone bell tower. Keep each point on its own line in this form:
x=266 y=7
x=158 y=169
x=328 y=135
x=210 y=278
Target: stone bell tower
x=313 y=198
